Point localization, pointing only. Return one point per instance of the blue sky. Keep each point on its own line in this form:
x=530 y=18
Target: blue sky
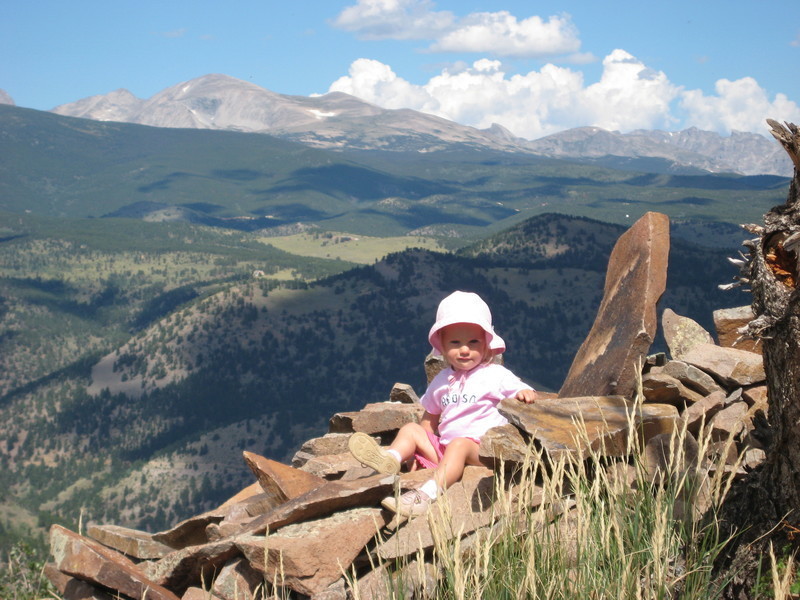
x=534 y=67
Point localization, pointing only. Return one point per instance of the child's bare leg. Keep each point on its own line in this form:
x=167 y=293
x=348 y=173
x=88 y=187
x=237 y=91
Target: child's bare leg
x=458 y=454
x=413 y=438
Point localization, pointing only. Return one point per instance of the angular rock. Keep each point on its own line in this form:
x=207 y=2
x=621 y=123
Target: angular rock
x=732 y=367
x=757 y=397
x=728 y=421
x=237 y=580
x=309 y=556
x=71 y=588
x=692 y=377
x=682 y=334
x=130 y=542
x=403 y=393
x=192 y=531
x=279 y=481
x=664 y=389
x=196 y=593
x=728 y=322
x=552 y=423
x=337 y=466
x=465 y=506
x=190 y=566
x=609 y=358
x=503 y=445
x=434 y=363
x=700 y=413
x=90 y=561
x=244 y=495
x=377 y=417
x=327 y=499
x=330 y=443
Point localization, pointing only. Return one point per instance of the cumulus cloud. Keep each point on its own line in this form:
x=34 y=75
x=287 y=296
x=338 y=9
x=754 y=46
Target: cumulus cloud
x=740 y=105
x=394 y=19
x=501 y=34
x=628 y=95
x=496 y=33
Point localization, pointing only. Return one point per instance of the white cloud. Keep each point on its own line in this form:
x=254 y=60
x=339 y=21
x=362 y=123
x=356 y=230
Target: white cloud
x=501 y=34
x=739 y=105
x=394 y=19
x=628 y=95
x=496 y=33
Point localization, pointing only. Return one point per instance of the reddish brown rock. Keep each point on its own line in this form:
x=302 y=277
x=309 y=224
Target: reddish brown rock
x=692 y=377
x=71 y=588
x=465 y=506
x=130 y=542
x=196 y=593
x=403 y=393
x=244 y=495
x=328 y=444
x=728 y=421
x=503 y=445
x=728 y=322
x=337 y=466
x=732 y=367
x=682 y=334
x=237 y=580
x=378 y=417
x=280 y=482
x=309 y=556
x=190 y=566
x=609 y=358
x=327 y=499
x=552 y=423
x=664 y=389
x=700 y=413
x=90 y=561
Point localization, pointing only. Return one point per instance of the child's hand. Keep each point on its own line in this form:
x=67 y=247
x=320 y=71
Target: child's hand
x=526 y=396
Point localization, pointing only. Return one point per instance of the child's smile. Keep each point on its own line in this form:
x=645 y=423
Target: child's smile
x=464 y=345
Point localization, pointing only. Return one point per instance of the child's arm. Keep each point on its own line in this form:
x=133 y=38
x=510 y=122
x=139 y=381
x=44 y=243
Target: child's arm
x=528 y=396
x=430 y=423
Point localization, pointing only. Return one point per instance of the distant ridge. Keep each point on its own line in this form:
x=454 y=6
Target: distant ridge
x=340 y=121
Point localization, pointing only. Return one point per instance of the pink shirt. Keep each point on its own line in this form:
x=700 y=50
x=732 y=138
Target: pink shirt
x=466 y=401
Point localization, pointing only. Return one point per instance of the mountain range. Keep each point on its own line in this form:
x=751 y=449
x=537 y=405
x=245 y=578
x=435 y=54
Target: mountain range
x=340 y=121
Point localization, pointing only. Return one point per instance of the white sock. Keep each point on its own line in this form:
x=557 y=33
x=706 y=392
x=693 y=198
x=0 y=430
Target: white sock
x=430 y=488
x=396 y=454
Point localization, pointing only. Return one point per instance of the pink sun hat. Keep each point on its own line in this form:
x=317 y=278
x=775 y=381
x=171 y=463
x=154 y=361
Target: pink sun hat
x=465 y=307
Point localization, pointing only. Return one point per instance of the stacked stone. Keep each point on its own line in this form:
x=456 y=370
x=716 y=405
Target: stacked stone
x=720 y=387
x=301 y=528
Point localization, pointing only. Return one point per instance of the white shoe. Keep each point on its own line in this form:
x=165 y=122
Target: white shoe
x=369 y=453
x=408 y=504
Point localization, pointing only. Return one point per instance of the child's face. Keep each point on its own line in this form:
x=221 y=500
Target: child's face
x=464 y=345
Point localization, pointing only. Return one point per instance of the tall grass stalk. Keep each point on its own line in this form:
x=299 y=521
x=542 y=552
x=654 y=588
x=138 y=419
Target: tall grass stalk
x=591 y=527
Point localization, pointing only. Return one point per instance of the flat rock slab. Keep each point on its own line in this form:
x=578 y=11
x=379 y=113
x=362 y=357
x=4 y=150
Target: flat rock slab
x=90 y=561
x=308 y=557
x=131 y=542
x=555 y=424
x=465 y=507
x=731 y=366
x=728 y=322
x=190 y=566
x=377 y=417
x=623 y=331
x=329 y=498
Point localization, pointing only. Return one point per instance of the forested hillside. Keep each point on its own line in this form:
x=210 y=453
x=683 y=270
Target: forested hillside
x=135 y=377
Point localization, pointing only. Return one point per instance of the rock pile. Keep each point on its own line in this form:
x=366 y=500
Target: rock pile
x=299 y=528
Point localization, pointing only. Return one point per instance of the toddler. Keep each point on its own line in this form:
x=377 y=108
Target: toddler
x=460 y=405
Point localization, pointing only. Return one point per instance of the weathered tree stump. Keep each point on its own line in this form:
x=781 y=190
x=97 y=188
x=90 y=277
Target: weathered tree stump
x=766 y=507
